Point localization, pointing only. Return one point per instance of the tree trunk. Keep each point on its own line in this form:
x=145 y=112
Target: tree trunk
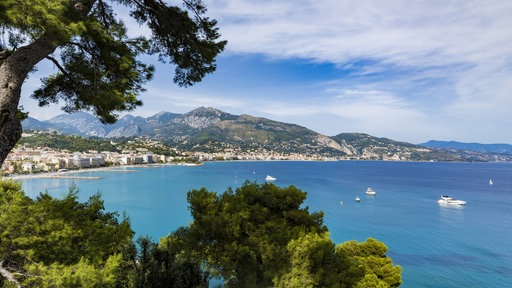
x=14 y=70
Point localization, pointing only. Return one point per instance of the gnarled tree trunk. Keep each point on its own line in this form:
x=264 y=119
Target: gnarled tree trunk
x=14 y=68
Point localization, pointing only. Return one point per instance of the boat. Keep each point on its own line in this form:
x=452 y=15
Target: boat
x=370 y=191
x=358 y=199
x=447 y=200
x=270 y=178
x=490 y=182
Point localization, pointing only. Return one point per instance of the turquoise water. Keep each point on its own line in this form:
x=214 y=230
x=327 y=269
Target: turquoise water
x=436 y=246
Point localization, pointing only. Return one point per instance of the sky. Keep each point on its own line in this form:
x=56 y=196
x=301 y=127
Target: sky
x=410 y=71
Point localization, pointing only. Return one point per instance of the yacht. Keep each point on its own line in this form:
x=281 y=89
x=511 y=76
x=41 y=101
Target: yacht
x=447 y=200
x=370 y=191
x=358 y=199
x=270 y=178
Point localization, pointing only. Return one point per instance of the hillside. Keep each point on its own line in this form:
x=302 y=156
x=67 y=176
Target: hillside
x=210 y=130
x=368 y=147
x=487 y=148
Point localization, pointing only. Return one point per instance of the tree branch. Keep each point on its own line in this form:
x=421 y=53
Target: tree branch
x=101 y=6
x=56 y=63
x=8 y=275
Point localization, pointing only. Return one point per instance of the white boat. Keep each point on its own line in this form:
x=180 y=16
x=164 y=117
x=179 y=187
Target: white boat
x=447 y=200
x=358 y=199
x=270 y=178
x=490 y=182
x=370 y=191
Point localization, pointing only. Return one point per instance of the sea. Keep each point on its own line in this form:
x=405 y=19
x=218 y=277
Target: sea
x=436 y=246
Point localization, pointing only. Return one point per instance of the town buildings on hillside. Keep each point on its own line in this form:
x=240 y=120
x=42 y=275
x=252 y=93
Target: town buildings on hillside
x=28 y=160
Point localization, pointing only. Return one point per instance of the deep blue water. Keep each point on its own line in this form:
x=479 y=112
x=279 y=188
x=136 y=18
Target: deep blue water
x=436 y=246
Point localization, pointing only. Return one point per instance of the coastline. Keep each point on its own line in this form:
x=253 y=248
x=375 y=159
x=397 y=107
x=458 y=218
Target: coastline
x=70 y=174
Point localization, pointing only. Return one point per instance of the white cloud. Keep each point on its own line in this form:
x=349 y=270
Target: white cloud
x=400 y=32
x=440 y=65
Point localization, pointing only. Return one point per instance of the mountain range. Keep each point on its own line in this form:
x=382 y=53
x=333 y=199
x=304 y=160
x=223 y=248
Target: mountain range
x=212 y=130
x=478 y=147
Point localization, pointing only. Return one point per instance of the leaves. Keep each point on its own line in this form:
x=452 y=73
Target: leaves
x=189 y=42
x=243 y=234
x=379 y=269
x=82 y=274
x=59 y=238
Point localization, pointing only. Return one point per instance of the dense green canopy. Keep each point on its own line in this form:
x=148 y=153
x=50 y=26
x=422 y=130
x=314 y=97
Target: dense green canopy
x=48 y=240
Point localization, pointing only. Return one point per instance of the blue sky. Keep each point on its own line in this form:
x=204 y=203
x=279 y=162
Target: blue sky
x=406 y=70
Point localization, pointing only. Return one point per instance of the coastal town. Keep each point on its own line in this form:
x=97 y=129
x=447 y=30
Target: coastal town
x=32 y=160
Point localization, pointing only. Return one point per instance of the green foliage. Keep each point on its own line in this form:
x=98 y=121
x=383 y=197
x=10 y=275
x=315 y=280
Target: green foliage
x=82 y=274
x=32 y=18
x=371 y=255
x=168 y=265
x=61 y=241
x=243 y=234
x=315 y=263
x=188 y=41
x=75 y=143
x=67 y=142
x=260 y=236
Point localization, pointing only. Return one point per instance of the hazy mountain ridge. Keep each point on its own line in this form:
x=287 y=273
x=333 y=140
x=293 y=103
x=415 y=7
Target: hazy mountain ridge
x=478 y=147
x=212 y=130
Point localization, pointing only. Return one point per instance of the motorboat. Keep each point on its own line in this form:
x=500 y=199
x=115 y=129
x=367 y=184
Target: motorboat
x=490 y=182
x=370 y=192
x=447 y=200
x=358 y=199
x=270 y=178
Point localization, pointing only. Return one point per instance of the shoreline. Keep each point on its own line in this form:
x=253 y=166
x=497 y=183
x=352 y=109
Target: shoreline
x=126 y=168
x=70 y=174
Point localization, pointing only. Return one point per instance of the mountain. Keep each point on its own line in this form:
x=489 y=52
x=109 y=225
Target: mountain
x=79 y=123
x=35 y=124
x=368 y=147
x=253 y=133
x=85 y=124
x=213 y=131
x=487 y=148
